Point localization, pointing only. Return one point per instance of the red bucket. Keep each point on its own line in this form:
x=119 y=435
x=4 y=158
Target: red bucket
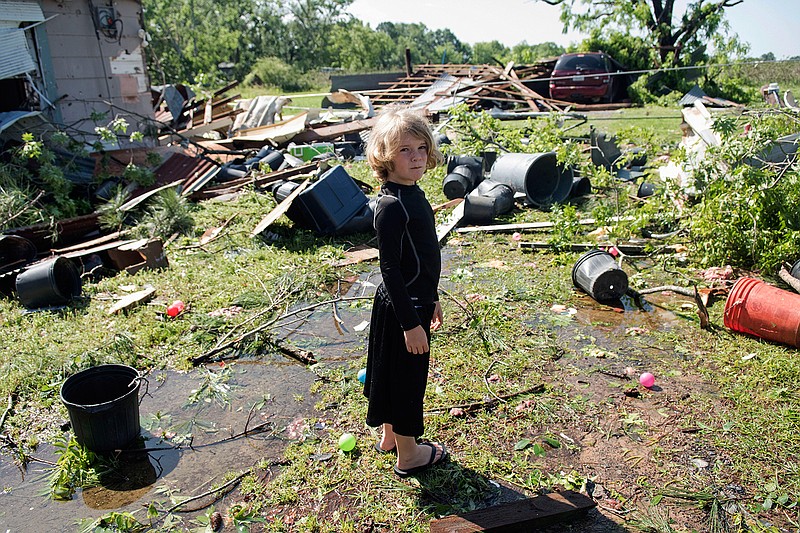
x=759 y=309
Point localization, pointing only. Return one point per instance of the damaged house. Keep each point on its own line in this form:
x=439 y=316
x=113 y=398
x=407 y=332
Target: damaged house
x=74 y=59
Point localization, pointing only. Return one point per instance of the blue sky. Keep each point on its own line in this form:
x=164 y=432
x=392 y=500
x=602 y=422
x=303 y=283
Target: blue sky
x=768 y=25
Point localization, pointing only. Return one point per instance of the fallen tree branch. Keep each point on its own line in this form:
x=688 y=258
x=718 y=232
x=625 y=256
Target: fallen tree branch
x=206 y=356
x=8 y=410
x=486 y=379
x=692 y=293
x=304 y=356
x=488 y=403
x=226 y=487
x=685 y=291
x=229 y=485
x=27 y=206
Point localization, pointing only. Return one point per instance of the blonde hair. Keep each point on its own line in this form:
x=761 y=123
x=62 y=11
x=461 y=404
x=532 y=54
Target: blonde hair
x=393 y=123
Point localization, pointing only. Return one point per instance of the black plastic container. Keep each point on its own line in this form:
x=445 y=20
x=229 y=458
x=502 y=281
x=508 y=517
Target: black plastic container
x=646 y=189
x=282 y=189
x=597 y=273
x=580 y=187
x=103 y=406
x=538 y=175
x=332 y=200
x=460 y=182
x=502 y=193
x=274 y=159
x=48 y=283
x=15 y=252
x=488 y=201
x=795 y=271
x=231 y=172
x=362 y=222
x=479 y=209
x=473 y=161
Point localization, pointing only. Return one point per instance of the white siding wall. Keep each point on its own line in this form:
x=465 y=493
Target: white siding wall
x=92 y=70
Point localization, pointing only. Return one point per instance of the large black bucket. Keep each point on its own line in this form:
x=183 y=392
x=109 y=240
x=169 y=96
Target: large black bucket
x=473 y=161
x=103 y=406
x=48 y=283
x=539 y=176
x=597 y=273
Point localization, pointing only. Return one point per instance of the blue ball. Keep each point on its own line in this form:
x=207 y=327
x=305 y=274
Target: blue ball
x=362 y=375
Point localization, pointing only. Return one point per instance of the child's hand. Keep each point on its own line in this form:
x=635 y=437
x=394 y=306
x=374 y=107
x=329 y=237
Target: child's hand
x=416 y=340
x=438 y=317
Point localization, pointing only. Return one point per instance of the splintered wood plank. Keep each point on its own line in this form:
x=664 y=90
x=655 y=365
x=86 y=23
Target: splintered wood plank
x=357 y=255
x=520 y=516
x=452 y=221
x=280 y=209
x=132 y=300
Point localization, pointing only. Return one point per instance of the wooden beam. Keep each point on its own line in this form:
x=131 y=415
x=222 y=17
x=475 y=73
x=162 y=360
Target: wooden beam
x=326 y=133
x=534 y=225
x=131 y=300
x=518 y=517
x=447 y=226
x=280 y=209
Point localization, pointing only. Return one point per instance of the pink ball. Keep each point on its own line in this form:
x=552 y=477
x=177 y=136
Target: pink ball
x=647 y=379
x=517 y=236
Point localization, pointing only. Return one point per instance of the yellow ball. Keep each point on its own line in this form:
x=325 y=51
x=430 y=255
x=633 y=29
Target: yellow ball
x=347 y=442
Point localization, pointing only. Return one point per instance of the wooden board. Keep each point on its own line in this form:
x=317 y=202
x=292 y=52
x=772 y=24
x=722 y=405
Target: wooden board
x=358 y=255
x=132 y=300
x=532 y=225
x=280 y=209
x=520 y=516
x=444 y=229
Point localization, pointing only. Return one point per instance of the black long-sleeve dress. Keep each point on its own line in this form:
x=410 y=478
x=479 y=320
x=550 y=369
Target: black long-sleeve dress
x=410 y=262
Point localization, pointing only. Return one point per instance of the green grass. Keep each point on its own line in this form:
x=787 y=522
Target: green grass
x=497 y=299
x=664 y=121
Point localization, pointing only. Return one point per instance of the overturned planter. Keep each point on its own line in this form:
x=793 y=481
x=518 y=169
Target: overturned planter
x=48 y=283
x=539 y=176
x=597 y=273
x=756 y=308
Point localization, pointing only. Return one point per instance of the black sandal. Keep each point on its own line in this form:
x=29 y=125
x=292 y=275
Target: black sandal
x=432 y=461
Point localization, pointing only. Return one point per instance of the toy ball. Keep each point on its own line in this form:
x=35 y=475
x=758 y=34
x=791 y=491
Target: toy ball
x=647 y=379
x=362 y=375
x=347 y=442
x=176 y=308
x=517 y=236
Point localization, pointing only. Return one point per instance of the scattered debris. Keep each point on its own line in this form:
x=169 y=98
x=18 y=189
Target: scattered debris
x=697 y=94
x=522 y=515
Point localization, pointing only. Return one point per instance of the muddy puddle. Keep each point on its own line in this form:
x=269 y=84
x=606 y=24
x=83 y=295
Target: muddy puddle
x=619 y=334
x=199 y=426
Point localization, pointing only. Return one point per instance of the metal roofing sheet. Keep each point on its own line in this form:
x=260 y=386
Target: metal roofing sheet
x=14 y=56
x=21 y=10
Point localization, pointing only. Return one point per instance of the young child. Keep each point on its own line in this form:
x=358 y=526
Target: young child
x=406 y=306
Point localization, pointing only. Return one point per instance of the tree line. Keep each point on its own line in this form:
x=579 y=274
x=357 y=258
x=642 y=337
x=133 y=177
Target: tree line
x=197 y=41
x=284 y=42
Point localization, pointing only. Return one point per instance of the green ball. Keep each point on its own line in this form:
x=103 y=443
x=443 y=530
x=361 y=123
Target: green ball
x=347 y=442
